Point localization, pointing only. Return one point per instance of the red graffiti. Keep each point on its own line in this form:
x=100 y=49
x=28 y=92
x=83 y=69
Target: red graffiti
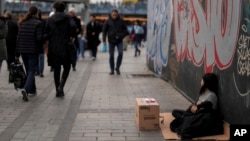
x=206 y=31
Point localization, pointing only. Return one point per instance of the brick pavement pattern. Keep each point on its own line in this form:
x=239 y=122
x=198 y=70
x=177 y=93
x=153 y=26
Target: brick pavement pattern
x=96 y=107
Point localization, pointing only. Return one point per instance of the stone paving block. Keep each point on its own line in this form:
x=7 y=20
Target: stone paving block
x=125 y=135
x=21 y=135
x=97 y=135
x=45 y=139
x=32 y=138
x=82 y=139
x=111 y=138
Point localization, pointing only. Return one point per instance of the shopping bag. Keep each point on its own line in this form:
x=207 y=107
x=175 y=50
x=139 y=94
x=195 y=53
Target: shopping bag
x=17 y=75
x=104 y=48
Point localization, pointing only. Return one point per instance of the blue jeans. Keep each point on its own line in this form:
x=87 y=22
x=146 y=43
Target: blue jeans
x=137 y=44
x=111 y=55
x=30 y=63
x=40 y=64
x=81 y=47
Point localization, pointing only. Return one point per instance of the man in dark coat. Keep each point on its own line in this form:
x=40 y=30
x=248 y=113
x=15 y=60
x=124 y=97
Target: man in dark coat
x=60 y=31
x=116 y=29
x=11 y=38
x=93 y=31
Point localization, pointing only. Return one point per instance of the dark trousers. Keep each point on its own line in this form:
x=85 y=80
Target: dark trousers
x=180 y=113
x=112 y=54
x=94 y=51
x=30 y=63
x=58 y=79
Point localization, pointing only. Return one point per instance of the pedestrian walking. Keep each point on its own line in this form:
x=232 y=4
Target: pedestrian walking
x=3 y=34
x=93 y=31
x=82 y=39
x=60 y=31
x=116 y=29
x=30 y=36
x=138 y=37
x=40 y=66
x=78 y=31
x=11 y=38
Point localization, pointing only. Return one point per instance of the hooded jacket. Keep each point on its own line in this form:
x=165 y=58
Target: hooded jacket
x=59 y=30
x=116 y=30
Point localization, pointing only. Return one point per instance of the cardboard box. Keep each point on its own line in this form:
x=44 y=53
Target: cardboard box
x=147 y=114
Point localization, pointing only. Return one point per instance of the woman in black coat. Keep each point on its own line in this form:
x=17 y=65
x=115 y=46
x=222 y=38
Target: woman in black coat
x=93 y=31
x=11 y=38
x=60 y=31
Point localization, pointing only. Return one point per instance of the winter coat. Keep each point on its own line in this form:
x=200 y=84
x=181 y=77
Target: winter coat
x=116 y=30
x=30 y=36
x=59 y=30
x=78 y=30
x=12 y=37
x=93 y=40
x=3 y=34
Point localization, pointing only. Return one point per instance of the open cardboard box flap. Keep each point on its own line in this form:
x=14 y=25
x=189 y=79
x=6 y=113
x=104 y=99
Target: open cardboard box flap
x=169 y=135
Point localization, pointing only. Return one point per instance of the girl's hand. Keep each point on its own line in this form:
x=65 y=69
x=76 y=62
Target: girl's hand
x=194 y=109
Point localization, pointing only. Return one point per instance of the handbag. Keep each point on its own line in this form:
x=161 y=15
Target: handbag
x=104 y=48
x=17 y=75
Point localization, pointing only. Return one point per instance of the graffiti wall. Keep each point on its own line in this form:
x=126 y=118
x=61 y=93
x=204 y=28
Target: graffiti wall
x=187 y=38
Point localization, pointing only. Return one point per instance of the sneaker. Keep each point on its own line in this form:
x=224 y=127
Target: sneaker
x=93 y=58
x=25 y=95
x=32 y=94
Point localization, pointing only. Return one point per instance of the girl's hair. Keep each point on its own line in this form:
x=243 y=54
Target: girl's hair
x=32 y=11
x=210 y=82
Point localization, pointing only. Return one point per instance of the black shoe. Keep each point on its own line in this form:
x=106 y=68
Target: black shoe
x=74 y=69
x=118 y=71
x=60 y=92
x=25 y=95
x=51 y=69
x=111 y=73
x=139 y=52
x=41 y=75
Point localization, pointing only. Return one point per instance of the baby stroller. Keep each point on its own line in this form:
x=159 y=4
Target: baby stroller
x=17 y=75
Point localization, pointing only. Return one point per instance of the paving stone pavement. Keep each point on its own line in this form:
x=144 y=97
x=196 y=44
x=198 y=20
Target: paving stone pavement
x=96 y=106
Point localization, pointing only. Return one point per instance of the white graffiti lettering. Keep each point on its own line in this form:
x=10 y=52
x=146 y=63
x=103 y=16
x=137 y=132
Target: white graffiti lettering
x=159 y=32
x=243 y=54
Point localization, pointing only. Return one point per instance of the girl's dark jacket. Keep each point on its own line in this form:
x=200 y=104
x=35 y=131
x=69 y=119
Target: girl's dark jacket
x=30 y=36
x=59 y=31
